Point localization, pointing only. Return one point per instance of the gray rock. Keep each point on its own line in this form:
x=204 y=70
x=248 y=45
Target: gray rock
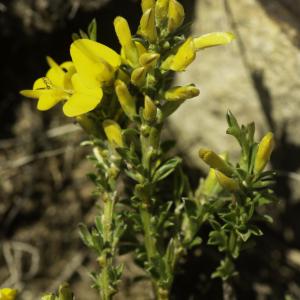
x=257 y=76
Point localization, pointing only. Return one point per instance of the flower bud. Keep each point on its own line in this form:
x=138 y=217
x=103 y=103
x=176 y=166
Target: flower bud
x=113 y=133
x=138 y=76
x=8 y=294
x=147 y=27
x=264 y=151
x=215 y=161
x=213 y=39
x=184 y=56
x=146 y=4
x=122 y=30
x=150 y=110
x=148 y=59
x=125 y=98
x=175 y=15
x=161 y=9
x=181 y=93
x=227 y=182
x=124 y=36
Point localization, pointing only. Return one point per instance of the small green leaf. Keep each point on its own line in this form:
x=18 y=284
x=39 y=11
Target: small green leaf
x=195 y=242
x=92 y=30
x=166 y=169
x=85 y=235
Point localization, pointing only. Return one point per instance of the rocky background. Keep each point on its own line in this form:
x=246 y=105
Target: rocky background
x=44 y=193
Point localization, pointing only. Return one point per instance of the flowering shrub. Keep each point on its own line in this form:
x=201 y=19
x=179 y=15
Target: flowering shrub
x=122 y=101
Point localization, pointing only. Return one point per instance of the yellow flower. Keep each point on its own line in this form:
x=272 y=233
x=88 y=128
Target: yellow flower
x=186 y=53
x=62 y=83
x=7 y=294
x=80 y=82
x=213 y=39
x=184 y=56
x=52 y=88
x=94 y=62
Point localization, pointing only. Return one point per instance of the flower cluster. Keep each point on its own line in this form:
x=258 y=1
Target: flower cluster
x=96 y=72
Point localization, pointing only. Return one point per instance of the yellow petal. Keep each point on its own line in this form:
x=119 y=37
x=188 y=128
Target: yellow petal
x=80 y=87
x=42 y=83
x=81 y=103
x=213 y=39
x=35 y=94
x=49 y=98
x=67 y=65
x=51 y=62
x=184 y=56
x=93 y=61
x=56 y=76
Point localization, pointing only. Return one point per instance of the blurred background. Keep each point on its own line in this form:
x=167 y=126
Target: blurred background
x=44 y=192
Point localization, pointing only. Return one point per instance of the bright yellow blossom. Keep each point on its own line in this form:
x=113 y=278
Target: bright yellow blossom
x=8 y=294
x=78 y=83
x=186 y=53
x=52 y=88
x=94 y=62
x=62 y=83
x=213 y=39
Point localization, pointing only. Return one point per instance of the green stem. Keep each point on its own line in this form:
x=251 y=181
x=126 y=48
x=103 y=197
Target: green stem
x=106 y=259
x=105 y=291
x=150 y=242
x=149 y=143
